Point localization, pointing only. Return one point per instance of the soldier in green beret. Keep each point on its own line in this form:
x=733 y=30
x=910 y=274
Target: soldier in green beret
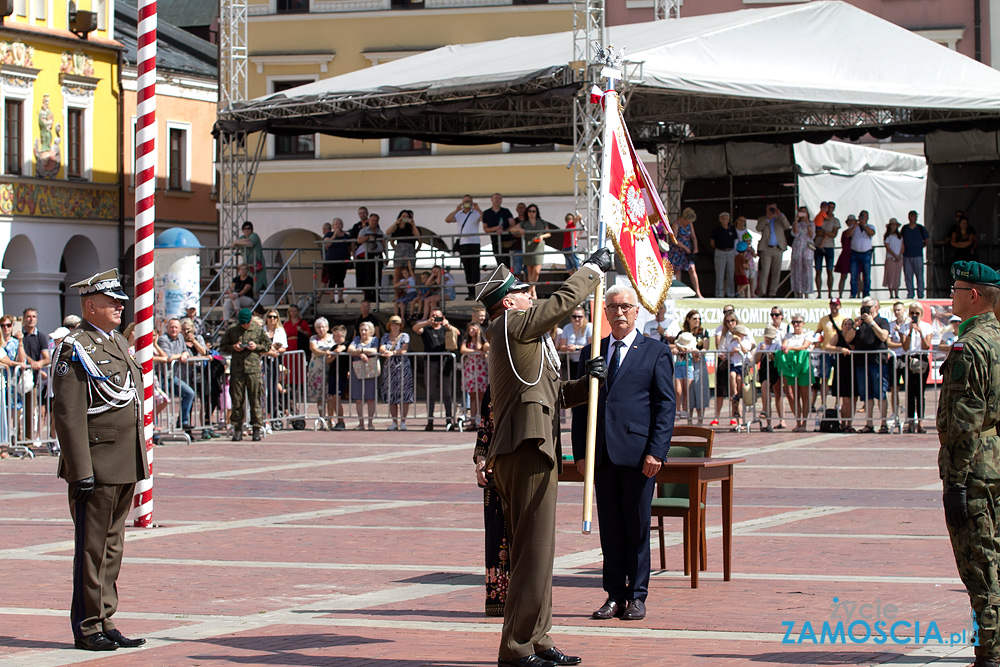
x=969 y=458
x=245 y=342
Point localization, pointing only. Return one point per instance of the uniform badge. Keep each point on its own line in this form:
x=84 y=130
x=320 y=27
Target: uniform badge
x=62 y=367
x=90 y=349
x=98 y=339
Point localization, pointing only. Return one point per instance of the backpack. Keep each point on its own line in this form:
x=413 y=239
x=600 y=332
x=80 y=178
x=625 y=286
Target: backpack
x=831 y=421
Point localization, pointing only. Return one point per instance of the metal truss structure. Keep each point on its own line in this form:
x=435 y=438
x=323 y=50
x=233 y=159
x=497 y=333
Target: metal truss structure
x=588 y=30
x=236 y=171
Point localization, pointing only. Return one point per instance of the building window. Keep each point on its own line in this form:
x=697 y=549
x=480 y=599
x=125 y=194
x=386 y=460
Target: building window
x=299 y=147
x=41 y=9
x=74 y=143
x=407 y=146
x=293 y=6
x=178 y=159
x=13 y=129
x=101 y=7
x=21 y=8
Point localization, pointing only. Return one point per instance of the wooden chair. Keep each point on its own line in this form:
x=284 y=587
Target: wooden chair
x=672 y=499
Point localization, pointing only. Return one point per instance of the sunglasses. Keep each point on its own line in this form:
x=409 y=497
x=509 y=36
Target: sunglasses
x=966 y=289
x=578 y=317
x=6 y=324
x=776 y=314
x=798 y=321
x=272 y=317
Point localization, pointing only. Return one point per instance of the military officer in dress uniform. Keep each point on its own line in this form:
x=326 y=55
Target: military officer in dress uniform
x=969 y=458
x=525 y=454
x=245 y=342
x=97 y=410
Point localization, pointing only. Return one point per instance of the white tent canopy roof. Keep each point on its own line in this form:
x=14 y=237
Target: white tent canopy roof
x=768 y=53
x=719 y=75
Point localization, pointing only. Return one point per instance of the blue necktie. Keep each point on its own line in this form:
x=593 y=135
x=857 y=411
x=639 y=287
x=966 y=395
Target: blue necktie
x=616 y=360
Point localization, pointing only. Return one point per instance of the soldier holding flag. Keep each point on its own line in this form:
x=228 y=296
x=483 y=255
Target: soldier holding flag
x=525 y=454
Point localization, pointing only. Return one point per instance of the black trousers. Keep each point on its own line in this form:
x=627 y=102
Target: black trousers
x=469 y=253
x=438 y=389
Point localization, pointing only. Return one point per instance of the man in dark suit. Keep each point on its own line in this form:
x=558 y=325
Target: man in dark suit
x=635 y=420
x=525 y=456
x=97 y=410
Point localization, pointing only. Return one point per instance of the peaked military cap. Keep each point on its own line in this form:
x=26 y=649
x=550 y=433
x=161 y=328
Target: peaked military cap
x=500 y=283
x=102 y=283
x=975 y=273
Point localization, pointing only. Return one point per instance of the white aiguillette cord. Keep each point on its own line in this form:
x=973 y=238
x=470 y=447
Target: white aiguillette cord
x=541 y=356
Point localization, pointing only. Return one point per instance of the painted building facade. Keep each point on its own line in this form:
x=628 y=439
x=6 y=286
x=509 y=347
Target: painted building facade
x=60 y=200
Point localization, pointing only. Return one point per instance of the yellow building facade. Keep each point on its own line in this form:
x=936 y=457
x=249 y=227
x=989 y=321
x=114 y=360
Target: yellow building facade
x=60 y=196
x=303 y=182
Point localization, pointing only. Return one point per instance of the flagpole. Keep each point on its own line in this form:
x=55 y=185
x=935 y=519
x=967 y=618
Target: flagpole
x=596 y=334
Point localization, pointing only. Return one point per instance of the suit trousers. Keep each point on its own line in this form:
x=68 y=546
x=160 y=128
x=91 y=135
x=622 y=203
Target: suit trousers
x=526 y=480
x=97 y=556
x=725 y=271
x=770 y=271
x=624 y=497
x=913 y=269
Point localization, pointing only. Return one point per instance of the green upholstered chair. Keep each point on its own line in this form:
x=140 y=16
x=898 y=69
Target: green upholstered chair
x=671 y=499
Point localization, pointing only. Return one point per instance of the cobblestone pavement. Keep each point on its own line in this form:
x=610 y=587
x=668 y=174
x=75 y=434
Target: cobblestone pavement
x=344 y=549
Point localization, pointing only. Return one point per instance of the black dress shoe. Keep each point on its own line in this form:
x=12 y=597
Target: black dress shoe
x=237 y=435
x=256 y=435
x=526 y=661
x=635 y=611
x=555 y=655
x=609 y=610
x=96 y=642
x=123 y=641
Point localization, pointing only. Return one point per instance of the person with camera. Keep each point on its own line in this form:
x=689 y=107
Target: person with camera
x=916 y=343
x=368 y=257
x=772 y=228
x=967 y=418
x=440 y=337
x=871 y=374
x=467 y=215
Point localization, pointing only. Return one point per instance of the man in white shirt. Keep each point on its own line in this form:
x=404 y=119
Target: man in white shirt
x=467 y=215
x=861 y=232
x=662 y=329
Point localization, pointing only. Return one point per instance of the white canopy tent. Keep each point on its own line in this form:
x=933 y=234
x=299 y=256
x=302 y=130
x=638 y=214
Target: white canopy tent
x=710 y=77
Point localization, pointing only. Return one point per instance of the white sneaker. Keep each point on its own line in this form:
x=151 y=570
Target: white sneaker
x=393 y=427
x=402 y=426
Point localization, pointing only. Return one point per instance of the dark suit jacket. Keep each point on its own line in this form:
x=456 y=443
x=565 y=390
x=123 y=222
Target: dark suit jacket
x=635 y=413
x=110 y=446
x=523 y=413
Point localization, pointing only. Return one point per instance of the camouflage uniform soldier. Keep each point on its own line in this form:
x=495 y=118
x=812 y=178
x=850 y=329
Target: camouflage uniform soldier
x=969 y=459
x=245 y=342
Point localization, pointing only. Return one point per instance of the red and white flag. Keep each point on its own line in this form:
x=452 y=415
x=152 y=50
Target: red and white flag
x=630 y=209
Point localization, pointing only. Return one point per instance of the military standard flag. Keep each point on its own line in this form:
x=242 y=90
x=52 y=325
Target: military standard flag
x=631 y=209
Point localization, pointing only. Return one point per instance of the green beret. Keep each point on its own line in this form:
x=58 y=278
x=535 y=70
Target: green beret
x=244 y=316
x=975 y=273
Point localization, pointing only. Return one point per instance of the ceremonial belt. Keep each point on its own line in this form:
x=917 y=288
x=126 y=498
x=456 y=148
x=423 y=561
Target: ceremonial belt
x=992 y=431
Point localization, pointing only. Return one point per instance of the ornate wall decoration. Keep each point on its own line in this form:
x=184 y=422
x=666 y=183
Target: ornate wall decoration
x=56 y=201
x=16 y=53
x=78 y=63
x=47 y=154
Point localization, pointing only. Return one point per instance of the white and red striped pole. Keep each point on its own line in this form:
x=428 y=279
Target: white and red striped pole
x=145 y=214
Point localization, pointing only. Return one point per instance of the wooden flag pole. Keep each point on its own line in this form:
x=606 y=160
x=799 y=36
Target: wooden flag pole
x=595 y=388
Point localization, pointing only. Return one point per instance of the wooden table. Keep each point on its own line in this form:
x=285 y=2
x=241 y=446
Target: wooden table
x=694 y=472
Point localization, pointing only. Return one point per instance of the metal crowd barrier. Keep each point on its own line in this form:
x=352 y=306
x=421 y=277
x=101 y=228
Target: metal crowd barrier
x=425 y=380
x=901 y=390
x=284 y=381
x=26 y=416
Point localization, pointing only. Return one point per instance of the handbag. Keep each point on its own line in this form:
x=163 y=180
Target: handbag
x=917 y=363
x=450 y=340
x=367 y=370
x=26 y=382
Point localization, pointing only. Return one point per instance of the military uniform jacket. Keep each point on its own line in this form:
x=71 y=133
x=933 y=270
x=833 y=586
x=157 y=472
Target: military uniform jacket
x=521 y=412
x=109 y=445
x=970 y=404
x=245 y=361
